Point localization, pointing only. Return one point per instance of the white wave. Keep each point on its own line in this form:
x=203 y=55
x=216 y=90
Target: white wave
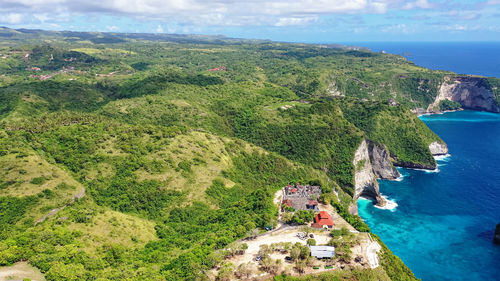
x=391 y=204
x=432 y=171
x=445 y=157
x=401 y=177
x=425 y=170
x=402 y=174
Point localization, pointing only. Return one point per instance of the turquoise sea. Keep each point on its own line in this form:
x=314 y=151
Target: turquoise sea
x=443 y=224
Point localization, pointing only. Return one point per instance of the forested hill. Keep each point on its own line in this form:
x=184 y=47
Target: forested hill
x=157 y=150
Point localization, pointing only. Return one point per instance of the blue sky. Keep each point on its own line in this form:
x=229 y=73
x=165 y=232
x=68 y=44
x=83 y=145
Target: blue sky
x=325 y=21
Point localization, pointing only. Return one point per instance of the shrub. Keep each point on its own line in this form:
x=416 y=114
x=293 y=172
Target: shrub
x=311 y=242
x=449 y=105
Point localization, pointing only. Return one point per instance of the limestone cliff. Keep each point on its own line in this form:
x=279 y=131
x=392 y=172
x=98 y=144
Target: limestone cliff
x=381 y=164
x=438 y=148
x=371 y=161
x=471 y=92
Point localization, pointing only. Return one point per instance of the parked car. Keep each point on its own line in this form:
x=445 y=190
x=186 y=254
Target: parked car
x=301 y=235
x=258 y=258
x=311 y=235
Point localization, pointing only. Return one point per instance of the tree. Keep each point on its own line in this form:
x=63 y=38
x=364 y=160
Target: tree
x=214 y=258
x=311 y=242
x=236 y=249
x=286 y=217
x=243 y=248
x=264 y=250
x=253 y=233
x=295 y=253
x=270 y=266
x=245 y=270
x=303 y=216
x=304 y=252
x=60 y=271
x=226 y=272
x=300 y=266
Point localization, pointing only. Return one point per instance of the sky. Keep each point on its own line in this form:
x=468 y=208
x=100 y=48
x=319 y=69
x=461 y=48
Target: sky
x=312 y=21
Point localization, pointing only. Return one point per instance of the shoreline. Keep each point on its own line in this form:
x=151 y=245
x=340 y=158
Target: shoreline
x=439 y=112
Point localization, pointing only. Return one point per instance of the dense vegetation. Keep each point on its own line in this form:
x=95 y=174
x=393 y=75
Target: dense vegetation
x=180 y=144
x=449 y=105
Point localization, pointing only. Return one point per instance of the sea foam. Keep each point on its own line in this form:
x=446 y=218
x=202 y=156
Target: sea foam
x=445 y=157
x=391 y=204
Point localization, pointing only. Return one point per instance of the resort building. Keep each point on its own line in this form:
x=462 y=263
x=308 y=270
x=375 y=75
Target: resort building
x=322 y=252
x=301 y=197
x=323 y=220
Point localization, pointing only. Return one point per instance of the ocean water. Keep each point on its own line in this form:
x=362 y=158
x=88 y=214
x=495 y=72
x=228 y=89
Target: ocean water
x=480 y=58
x=442 y=227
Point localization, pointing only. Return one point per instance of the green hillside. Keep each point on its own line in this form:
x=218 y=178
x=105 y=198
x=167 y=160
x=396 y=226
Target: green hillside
x=180 y=144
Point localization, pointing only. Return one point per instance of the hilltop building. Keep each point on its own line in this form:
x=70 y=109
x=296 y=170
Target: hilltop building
x=323 y=220
x=301 y=197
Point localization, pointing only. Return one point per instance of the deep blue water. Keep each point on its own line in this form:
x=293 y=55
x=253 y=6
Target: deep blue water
x=480 y=58
x=443 y=225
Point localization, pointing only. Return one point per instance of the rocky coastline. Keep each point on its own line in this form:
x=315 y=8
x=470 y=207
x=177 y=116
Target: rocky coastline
x=471 y=92
x=372 y=162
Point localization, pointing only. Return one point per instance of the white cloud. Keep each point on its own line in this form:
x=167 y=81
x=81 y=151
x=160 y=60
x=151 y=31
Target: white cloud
x=464 y=27
x=397 y=28
x=13 y=18
x=418 y=4
x=295 y=21
x=493 y=2
x=159 y=29
x=112 y=28
x=203 y=12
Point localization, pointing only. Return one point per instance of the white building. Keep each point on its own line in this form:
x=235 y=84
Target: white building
x=321 y=252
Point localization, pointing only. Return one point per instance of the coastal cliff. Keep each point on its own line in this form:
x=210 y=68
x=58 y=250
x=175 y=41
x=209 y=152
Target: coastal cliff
x=371 y=161
x=470 y=92
x=438 y=148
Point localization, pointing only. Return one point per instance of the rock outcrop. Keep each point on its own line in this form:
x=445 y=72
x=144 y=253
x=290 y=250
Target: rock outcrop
x=381 y=164
x=371 y=161
x=496 y=238
x=471 y=92
x=438 y=148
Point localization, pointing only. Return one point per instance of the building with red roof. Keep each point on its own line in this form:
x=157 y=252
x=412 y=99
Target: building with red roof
x=323 y=219
x=287 y=202
x=316 y=225
x=312 y=204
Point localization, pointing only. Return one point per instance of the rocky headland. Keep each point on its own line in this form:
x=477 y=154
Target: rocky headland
x=371 y=162
x=471 y=92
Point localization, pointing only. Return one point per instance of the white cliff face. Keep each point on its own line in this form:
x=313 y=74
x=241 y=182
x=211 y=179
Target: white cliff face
x=381 y=164
x=438 y=148
x=365 y=179
x=470 y=92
